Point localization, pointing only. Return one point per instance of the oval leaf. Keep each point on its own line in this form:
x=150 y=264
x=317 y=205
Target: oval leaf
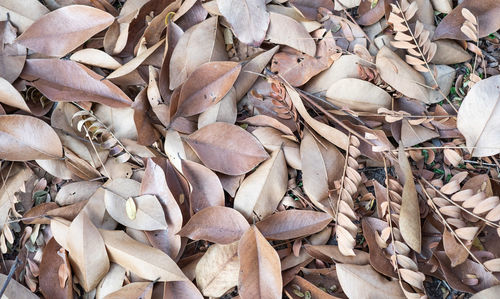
x=234 y=156
x=292 y=224
x=215 y=224
x=27 y=138
x=63 y=30
x=206 y=86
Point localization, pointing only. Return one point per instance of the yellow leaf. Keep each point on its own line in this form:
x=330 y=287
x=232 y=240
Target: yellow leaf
x=131 y=208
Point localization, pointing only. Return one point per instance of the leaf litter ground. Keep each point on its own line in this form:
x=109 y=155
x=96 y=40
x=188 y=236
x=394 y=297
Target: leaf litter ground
x=251 y=148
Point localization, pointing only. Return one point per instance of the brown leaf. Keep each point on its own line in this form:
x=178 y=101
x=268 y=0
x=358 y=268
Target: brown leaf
x=199 y=44
x=487 y=13
x=220 y=225
x=217 y=271
x=274 y=140
x=284 y=30
x=454 y=250
x=409 y=217
x=291 y=224
x=332 y=254
x=63 y=30
x=298 y=68
x=478 y=117
x=260 y=268
x=364 y=282
x=248 y=18
x=310 y=8
x=27 y=138
x=145 y=261
x=261 y=191
x=52 y=260
x=66 y=81
x=236 y=155
x=87 y=252
x=206 y=187
x=206 y=86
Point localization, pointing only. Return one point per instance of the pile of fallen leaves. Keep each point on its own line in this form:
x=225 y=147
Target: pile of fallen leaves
x=249 y=148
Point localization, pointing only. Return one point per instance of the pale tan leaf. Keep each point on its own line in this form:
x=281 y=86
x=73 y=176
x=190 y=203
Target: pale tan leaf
x=10 y=96
x=469 y=16
x=284 y=30
x=87 y=252
x=95 y=57
x=358 y=95
x=145 y=261
x=15 y=290
x=261 y=191
x=22 y=13
x=111 y=282
x=130 y=66
x=364 y=282
x=470 y=33
x=478 y=117
x=141 y=290
x=217 y=271
x=131 y=208
x=467 y=233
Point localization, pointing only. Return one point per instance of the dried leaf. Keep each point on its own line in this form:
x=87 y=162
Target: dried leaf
x=260 y=268
x=487 y=13
x=284 y=30
x=141 y=290
x=52 y=260
x=66 y=81
x=10 y=96
x=87 y=252
x=364 y=282
x=15 y=290
x=234 y=156
x=292 y=224
x=63 y=30
x=358 y=95
x=27 y=138
x=206 y=187
x=261 y=191
x=22 y=14
x=206 y=86
x=248 y=18
x=409 y=216
x=217 y=271
x=145 y=261
x=199 y=44
x=220 y=225
x=478 y=118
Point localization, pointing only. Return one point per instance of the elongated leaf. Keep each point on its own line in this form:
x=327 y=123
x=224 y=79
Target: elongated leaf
x=284 y=30
x=234 y=156
x=262 y=191
x=291 y=224
x=96 y=58
x=199 y=44
x=181 y=290
x=260 y=267
x=66 y=81
x=217 y=271
x=206 y=86
x=27 y=138
x=87 y=252
x=248 y=18
x=207 y=189
x=329 y=133
x=145 y=261
x=215 y=224
x=358 y=95
x=63 y=30
x=364 y=282
x=15 y=290
x=10 y=96
x=409 y=216
x=479 y=117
